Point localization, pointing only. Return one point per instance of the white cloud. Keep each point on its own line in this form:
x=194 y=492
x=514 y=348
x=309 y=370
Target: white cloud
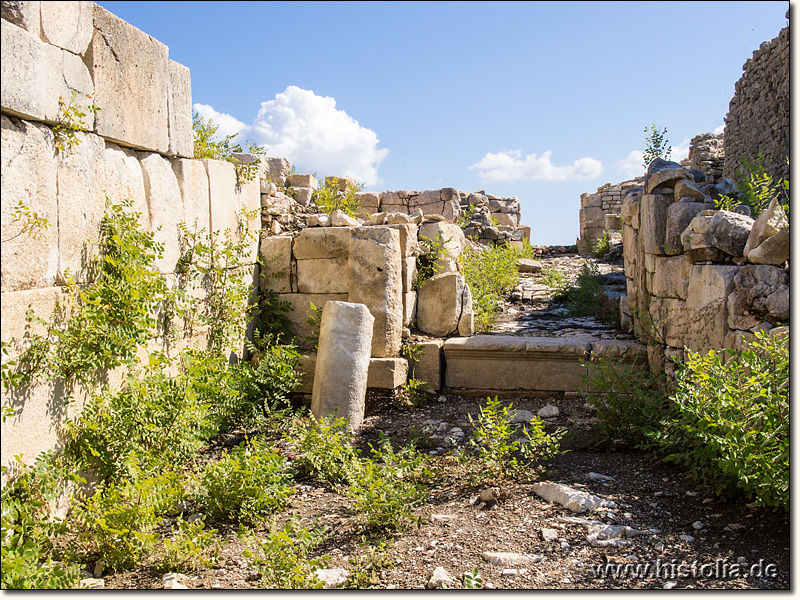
x=509 y=165
x=718 y=130
x=228 y=125
x=309 y=131
x=632 y=165
x=680 y=151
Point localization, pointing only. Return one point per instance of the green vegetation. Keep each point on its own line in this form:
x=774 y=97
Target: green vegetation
x=206 y=146
x=655 y=144
x=28 y=221
x=429 y=260
x=491 y=273
x=70 y=120
x=282 y=557
x=583 y=297
x=329 y=197
x=758 y=188
x=602 y=246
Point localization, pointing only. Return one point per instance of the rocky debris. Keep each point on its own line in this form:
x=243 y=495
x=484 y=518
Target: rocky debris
x=600 y=477
x=332 y=578
x=574 y=500
x=341 y=219
x=522 y=416
x=439 y=579
x=172 y=581
x=548 y=411
x=91 y=583
x=527 y=265
x=511 y=559
x=549 y=535
x=769 y=223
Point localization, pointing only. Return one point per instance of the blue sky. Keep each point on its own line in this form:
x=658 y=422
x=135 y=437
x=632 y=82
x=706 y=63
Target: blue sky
x=540 y=100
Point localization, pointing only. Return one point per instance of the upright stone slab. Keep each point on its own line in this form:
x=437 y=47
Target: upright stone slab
x=222 y=195
x=67 y=25
x=131 y=75
x=166 y=207
x=276 y=255
x=27 y=175
x=706 y=305
x=440 y=303
x=374 y=279
x=653 y=222
x=179 y=107
x=428 y=364
x=342 y=367
x=192 y=180
x=453 y=238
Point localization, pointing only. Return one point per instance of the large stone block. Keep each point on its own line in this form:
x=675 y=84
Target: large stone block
x=671 y=276
x=630 y=242
x=506 y=220
x=22 y=13
x=247 y=199
x=452 y=238
x=119 y=177
x=387 y=373
x=368 y=203
x=27 y=175
x=409 y=273
x=592 y=216
x=81 y=206
x=653 y=222
x=663 y=174
x=375 y=280
x=131 y=75
x=301 y=180
x=275 y=169
x=179 y=107
x=679 y=215
x=630 y=208
x=729 y=231
x=706 y=305
x=440 y=304
x=166 y=208
x=409 y=244
x=428 y=364
x=36 y=74
x=15 y=305
x=223 y=202
x=409 y=308
x=300 y=308
x=67 y=25
x=772 y=251
x=192 y=178
x=322 y=276
x=343 y=358
x=324 y=242
x=276 y=255
x=768 y=223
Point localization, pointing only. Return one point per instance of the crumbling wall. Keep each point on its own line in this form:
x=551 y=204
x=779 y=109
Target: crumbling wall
x=698 y=277
x=138 y=148
x=707 y=154
x=758 y=114
x=600 y=212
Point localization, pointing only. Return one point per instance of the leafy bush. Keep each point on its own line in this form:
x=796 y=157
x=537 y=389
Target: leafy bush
x=190 y=548
x=413 y=393
x=429 y=259
x=245 y=485
x=491 y=273
x=584 y=297
x=758 y=188
x=325 y=450
x=629 y=399
x=282 y=557
x=496 y=445
x=29 y=558
x=367 y=567
x=730 y=424
x=329 y=198
x=656 y=145
x=602 y=246
x=206 y=146
x=70 y=120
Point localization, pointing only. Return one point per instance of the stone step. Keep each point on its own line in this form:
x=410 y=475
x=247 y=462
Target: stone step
x=532 y=363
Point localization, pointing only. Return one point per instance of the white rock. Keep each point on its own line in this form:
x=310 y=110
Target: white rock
x=511 y=572
x=332 y=577
x=511 y=559
x=549 y=535
x=341 y=219
x=686 y=538
x=697 y=525
x=548 y=411
x=600 y=477
x=91 y=583
x=522 y=416
x=172 y=581
x=320 y=220
x=439 y=578
x=574 y=500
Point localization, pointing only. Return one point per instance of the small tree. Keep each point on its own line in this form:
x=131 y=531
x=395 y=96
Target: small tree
x=656 y=144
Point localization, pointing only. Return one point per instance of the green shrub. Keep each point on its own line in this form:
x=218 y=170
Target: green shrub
x=368 y=566
x=497 y=447
x=29 y=558
x=491 y=273
x=325 y=448
x=412 y=393
x=190 y=547
x=602 y=246
x=245 y=485
x=730 y=424
x=630 y=401
x=205 y=146
x=656 y=145
x=429 y=259
x=329 y=198
x=282 y=557
x=586 y=296
x=758 y=188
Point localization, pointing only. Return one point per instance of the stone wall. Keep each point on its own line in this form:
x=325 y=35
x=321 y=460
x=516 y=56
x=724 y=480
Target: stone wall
x=698 y=277
x=600 y=212
x=137 y=148
x=758 y=114
x=707 y=154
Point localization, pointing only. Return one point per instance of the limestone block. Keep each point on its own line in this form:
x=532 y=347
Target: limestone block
x=772 y=251
x=506 y=220
x=671 y=320
x=276 y=256
x=80 y=206
x=223 y=203
x=340 y=183
x=763 y=291
x=409 y=308
x=36 y=74
x=368 y=203
x=428 y=365
x=686 y=188
x=739 y=315
x=591 y=201
x=409 y=244
x=67 y=25
x=663 y=174
x=440 y=304
x=671 y=277
x=526 y=233
x=299 y=311
x=630 y=241
x=23 y=14
x=27 y=175
x=768 y=223
x=679 y=215
x=131 y=75
x=302 y=195
x=706 y=303
x=247 y=201
x=375 y=280
x=399 y=219
x=453 y=238
x=729 y=231
x=275 y=169
x=118 y=177
x=166 y=208
x=387 y=373
x=625 y=319
x=592 y=217
x=179 y=107
x=630 y=210
x=301 y=180
x=653 y=222
x=319 y=220
x=409 y=267
x=526 y=265
x=192 y=180
x=343 y=358
x=466 y=322
x=612 y=222
x=322 y=243
x=322 y=276
x=15 y=304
